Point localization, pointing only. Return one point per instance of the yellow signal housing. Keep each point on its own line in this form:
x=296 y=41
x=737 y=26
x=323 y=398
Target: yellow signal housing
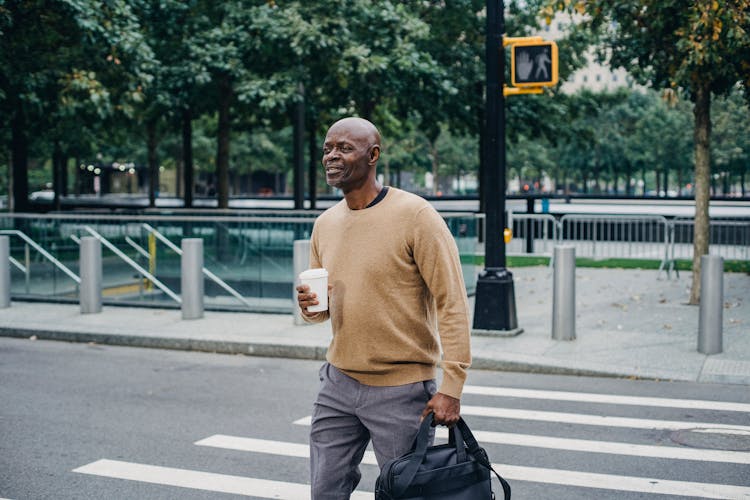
x=507 y=235
x=533 y=62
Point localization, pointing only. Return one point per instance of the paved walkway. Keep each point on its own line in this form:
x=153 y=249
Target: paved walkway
x=628 y=324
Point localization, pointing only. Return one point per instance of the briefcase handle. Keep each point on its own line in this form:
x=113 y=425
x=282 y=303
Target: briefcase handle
x=420 y=449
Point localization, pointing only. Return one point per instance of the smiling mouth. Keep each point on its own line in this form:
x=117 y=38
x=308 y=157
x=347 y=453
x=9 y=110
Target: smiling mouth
x=333 y=169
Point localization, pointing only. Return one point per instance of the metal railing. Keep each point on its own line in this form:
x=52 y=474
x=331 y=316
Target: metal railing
x=649 y=237
x=603 y=236
x=26 y=269
x=205 y=271
x=533 y=234
x=164 y=288
x=729 y=238
x=251 y=255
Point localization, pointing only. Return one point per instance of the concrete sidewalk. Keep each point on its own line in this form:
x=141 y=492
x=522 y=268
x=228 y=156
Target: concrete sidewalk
x=629 y=324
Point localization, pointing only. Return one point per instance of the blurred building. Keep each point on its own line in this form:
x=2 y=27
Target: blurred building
x=594 y=76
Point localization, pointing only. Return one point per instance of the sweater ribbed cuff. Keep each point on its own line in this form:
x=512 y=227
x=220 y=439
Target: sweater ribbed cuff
x=454 y=376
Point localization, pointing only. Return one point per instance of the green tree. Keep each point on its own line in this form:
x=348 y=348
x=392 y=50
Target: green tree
x=56 y=56
x=700 y=47
x=730 y=147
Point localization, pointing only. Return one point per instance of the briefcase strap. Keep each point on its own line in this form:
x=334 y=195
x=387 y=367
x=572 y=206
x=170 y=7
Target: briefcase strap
x=420 y=448
x=503 y=482
x=481 y=455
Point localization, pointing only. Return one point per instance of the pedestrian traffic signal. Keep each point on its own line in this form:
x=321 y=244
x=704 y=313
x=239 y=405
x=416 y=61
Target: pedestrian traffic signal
x=533 y=63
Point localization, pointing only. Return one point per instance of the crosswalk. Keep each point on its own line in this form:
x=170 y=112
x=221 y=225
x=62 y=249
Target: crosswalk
x=489 y=423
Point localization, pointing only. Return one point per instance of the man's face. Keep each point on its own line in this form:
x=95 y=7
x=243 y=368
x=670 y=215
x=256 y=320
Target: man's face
x=346 y=157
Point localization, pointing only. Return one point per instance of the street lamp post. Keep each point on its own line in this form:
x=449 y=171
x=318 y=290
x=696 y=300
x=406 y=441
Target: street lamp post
x=495 y=303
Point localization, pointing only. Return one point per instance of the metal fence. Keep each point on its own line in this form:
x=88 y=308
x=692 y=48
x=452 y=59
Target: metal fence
x=532 y=234
x=729 y=238
x=629 y=237
x=625 y=236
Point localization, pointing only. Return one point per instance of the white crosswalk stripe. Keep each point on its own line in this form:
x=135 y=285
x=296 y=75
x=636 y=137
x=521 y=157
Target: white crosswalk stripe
x=602 y=420
x=638 y=450
x=596 y=420
x=585 y=397
x=511 y=472
x=220 y=483
x=268 y=488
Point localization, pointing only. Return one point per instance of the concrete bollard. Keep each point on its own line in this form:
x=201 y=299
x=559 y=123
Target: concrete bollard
x=712 y=305
x=91 y=275
x=564 y=294
x=192 y=278
x=301 y=262
x=4 y=272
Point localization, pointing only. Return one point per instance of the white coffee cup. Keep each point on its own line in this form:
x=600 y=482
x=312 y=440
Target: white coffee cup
x=317 y=280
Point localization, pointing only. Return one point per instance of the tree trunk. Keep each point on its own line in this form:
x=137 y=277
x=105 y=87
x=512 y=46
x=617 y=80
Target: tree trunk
x=20 y=160
x=187 y=157
x=314 y=162
x=222 y=153
x=482 y=153
x=57 y=176
x=153 y=163
x=435 y=166
x=386 y=171
x=657 y=178
x=367 y=108
x=702 y=133
x=666 y=182
x=79 y=179
x=629 y=190
x=298 y=153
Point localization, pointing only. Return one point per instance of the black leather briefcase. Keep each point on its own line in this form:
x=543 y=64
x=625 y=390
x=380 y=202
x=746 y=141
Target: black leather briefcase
x=459 y=470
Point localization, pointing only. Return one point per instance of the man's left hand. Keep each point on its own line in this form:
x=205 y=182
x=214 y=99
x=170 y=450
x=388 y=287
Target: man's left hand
x=447 y=410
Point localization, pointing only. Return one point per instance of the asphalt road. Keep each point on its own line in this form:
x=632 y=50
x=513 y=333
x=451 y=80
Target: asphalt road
x=75 y=419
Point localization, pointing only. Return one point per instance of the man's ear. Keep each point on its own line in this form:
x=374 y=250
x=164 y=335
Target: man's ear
x=374 y=153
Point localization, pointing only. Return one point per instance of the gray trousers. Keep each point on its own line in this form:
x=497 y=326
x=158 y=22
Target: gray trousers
x=347 y=415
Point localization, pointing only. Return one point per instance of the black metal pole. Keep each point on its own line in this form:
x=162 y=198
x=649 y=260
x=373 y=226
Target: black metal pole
x=495 y=135
x=495 y=303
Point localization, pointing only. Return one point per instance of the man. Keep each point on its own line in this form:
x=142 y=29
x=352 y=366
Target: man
x=395 y=281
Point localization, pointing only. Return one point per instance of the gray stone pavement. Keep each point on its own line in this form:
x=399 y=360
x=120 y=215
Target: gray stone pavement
x=629 y=323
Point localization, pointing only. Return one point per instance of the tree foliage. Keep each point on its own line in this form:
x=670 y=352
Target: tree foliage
x=129 y=80
x=697 y=47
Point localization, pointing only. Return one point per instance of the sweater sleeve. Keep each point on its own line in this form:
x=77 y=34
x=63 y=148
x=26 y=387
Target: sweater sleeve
x=314 y=264
x=436 y=255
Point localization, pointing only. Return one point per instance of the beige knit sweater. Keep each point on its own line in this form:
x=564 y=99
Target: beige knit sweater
x=398 y=293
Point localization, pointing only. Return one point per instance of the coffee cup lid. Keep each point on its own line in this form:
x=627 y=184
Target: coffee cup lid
x=319 y=272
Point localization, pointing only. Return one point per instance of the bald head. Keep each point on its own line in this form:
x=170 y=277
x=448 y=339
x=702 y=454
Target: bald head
x=358 y=127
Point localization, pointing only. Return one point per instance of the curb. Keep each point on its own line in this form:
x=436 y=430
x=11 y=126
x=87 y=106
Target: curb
x=180 y=344
x=279 y=351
